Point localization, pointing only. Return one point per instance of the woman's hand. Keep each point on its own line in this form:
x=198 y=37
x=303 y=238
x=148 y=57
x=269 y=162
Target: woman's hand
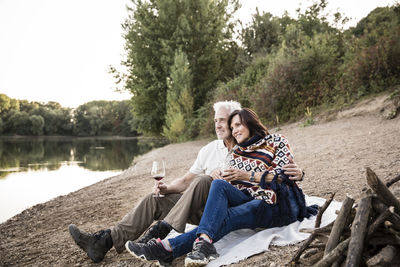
x=234 y=174
x=216 y=175
x=293 y=171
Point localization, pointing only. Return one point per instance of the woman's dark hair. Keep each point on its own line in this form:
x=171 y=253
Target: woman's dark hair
x=249 y=119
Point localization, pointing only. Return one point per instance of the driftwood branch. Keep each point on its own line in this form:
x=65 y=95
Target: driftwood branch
x=388 y=239
x=338 y=251
x=358 y=232
x=303 y=247
x=395 y=234
x=315 y=233
x=382 y=191
x=332 y=256
x=375 y=226
x=393 y=180
x=381 y=218
x=317 y=245
x=380 y=208
x=310 y=252
x=339 y=224
x=312 y=259
x=322 y=209
x=326 y=229
x=384 y=257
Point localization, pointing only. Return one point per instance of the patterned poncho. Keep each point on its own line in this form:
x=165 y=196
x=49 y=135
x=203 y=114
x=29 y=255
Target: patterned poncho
x=260 y=154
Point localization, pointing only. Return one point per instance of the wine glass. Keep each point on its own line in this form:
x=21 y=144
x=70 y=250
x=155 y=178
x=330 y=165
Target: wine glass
x=225 y=165
x=158 y=172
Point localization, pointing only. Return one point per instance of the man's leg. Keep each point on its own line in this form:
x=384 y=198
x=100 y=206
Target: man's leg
x=136 y=222
x=129 y=228
x=190 y=206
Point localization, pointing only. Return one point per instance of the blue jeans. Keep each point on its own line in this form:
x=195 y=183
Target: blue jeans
x=230 y=209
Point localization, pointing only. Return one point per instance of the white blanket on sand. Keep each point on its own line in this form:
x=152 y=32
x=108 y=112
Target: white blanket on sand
x=241 y=244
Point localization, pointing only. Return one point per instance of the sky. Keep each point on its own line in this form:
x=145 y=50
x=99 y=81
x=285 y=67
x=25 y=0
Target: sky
x=61 y=50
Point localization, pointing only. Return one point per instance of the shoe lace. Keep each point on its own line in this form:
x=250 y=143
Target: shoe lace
x=200 y=246
x=99 y=234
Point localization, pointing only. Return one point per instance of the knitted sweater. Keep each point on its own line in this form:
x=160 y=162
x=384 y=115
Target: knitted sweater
x=260 y=154
x=268 y=154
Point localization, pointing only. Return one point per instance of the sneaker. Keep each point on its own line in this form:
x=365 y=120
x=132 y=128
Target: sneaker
x=151 y=251
x=202 y=253
x=158 y=230
x=95 y=245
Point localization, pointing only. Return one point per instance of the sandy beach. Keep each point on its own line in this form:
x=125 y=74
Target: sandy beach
x=333 y=152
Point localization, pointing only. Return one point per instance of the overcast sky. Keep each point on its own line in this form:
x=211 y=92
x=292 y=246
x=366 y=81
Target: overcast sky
x=60 y=50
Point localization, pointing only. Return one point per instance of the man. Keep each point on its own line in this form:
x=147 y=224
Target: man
x=175 y=209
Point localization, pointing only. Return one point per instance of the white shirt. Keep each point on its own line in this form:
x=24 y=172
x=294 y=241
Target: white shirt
x=210 y=157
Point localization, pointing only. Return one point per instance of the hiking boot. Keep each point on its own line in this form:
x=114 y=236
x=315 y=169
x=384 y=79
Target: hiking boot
x=151 y=251
x=158 y=230
x=202 y=252
x=95 y=245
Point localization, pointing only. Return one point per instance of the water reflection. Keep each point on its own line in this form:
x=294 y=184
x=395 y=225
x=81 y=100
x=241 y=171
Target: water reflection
x=34 y=170
x=46 y=154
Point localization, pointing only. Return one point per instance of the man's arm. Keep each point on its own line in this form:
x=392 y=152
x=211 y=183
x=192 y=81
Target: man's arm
x=177 y=186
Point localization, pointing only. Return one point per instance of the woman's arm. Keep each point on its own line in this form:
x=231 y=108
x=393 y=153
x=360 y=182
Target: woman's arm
x=235 y=174
x=282 y=153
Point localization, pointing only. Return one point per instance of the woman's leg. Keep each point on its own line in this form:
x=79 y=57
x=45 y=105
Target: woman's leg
x=183 y=243
x=238 y=217
x=222 y=196
x=247 y=216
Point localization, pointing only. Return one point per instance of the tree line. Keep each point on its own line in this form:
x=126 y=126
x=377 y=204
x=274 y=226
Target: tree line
x=184 y=55
x=52 y=153
x=95 y=118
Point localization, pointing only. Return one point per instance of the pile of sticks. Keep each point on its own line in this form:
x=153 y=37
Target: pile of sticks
x=364 y=234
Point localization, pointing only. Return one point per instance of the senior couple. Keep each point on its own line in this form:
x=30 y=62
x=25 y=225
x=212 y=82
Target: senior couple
x=245 y=179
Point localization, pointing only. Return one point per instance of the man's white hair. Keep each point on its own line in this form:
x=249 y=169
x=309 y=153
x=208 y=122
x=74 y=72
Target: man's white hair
x=231 y=106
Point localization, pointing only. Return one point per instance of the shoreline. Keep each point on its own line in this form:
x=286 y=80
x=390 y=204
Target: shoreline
x=103 y=137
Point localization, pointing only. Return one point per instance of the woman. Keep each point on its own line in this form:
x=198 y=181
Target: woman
x=253 y=193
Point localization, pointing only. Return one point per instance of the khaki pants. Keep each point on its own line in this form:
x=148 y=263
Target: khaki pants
x=175 y=209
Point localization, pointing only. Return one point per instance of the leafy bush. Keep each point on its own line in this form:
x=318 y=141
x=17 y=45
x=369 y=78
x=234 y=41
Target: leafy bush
x=372 y=61
x=315 y=64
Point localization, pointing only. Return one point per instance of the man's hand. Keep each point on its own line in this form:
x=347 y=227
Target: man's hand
x=160 y=188
x=292 y=170
x=234 y=174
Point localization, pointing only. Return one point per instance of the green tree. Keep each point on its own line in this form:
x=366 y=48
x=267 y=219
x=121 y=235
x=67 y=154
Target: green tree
x=154 y=31
x=90 y=118
x=14 y=104
x=179 y=100
x=4 y=103
x=57 y=120
x=261 y=35
x=20 y=123
x=37 y=122
x=26 y=106
x=313 y=20
x=103 y=118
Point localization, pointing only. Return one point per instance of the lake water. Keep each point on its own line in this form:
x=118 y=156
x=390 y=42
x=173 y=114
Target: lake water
x=35 y=170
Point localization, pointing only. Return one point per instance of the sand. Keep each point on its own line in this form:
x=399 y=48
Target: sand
x=333 y=152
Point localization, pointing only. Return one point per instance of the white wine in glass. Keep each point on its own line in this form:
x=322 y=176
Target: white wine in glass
x=158 y=172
